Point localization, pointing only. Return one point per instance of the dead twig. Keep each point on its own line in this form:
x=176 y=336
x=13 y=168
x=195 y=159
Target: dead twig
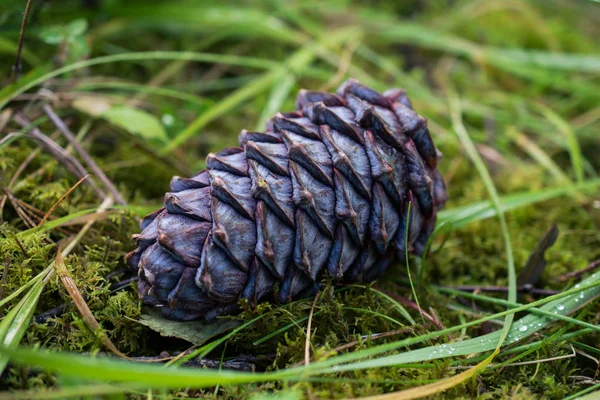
x=16 y=175
x=64 y=196
x=89 y=161
x=576 y=274
x=20 y=212
x=29 y=214
x=16 y=69
x=71 y=163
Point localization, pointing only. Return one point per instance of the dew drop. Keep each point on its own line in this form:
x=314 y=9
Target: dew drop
x=167 y=119
x=523 y=328
x=560 y=307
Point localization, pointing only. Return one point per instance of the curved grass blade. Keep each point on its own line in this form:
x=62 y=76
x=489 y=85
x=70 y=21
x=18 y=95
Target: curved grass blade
x=461 y=216
x=103 y=369
x=469 y=146
x=14 y=324
x=10 y=92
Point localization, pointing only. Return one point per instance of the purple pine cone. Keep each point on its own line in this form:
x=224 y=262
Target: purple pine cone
x=325 y=190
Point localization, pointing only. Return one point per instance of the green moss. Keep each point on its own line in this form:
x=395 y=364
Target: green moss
x=495 y=101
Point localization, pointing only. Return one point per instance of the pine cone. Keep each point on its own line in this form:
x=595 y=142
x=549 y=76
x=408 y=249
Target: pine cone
x=325 y=190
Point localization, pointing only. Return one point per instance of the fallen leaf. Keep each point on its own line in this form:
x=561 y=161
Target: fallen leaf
x=195 y=332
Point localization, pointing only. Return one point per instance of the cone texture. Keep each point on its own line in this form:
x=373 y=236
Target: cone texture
x=325 y=190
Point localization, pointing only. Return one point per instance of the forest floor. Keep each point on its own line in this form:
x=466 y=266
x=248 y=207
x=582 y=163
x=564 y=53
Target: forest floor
x=511 y=91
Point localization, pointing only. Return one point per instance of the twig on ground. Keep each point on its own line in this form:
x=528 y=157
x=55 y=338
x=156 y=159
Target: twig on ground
x=576 y=274
x=89 y=161
x=71 y=163
x=16 y=70
x=20 y=212
x=16 y=175
x=64 y=196
x=29 y=213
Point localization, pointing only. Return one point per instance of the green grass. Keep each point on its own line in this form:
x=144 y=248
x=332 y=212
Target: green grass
x=511 y=93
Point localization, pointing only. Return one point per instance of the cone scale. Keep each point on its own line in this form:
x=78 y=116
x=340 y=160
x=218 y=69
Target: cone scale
x=325 y=190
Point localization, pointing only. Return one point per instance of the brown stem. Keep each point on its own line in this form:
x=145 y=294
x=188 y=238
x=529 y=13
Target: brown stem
x=89 y=161
x=16 y=69
x=576 y=274
x=61 y=155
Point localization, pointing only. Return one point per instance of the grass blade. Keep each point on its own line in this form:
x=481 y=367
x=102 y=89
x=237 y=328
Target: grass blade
x=471 y=150
x=10 y=92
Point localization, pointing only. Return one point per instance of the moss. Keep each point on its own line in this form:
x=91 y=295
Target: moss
x=494 y=102
x=474 y=255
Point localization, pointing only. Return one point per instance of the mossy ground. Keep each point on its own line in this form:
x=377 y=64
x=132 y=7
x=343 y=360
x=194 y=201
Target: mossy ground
x=496 y=100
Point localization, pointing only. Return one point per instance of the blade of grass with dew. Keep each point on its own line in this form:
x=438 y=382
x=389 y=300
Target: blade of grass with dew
x=501 y=302
x=436 y=387
x=383 y=348
x=557 y=309
x=469 y=146
x=10 y=92
x=103 y=369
